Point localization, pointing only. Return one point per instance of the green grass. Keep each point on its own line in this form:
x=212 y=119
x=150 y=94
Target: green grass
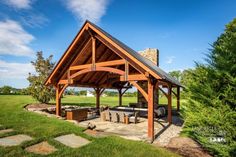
x=12 y=115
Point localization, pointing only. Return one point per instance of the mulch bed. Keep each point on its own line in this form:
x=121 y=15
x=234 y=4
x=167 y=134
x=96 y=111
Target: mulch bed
x=186 y=147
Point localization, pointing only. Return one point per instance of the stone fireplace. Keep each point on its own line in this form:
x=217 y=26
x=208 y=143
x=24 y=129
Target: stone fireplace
x=153 y=55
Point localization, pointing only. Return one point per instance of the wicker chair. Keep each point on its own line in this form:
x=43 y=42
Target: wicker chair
x=134 y=118
x=108 y=115
x=114 y=117
x=121 y=117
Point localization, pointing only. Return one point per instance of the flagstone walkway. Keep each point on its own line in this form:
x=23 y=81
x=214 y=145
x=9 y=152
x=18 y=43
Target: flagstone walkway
x=42 y=148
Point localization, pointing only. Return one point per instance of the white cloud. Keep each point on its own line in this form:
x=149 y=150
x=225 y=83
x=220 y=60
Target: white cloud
x=170 y=59
x=34 y=20
x=19 y=4
x=91 y=10
x=15 y=70
x=14 y=40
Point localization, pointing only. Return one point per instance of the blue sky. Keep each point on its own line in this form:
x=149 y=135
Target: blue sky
x=182 y=30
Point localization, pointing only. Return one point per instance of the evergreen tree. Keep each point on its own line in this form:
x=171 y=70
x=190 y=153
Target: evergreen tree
x=176 y=74
x=212 y=96
x=43 y=67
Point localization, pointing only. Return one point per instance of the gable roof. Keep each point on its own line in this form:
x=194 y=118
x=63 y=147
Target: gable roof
x=143 y=61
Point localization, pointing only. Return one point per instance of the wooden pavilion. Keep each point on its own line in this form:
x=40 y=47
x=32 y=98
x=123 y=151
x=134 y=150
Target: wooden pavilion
x=97 y=60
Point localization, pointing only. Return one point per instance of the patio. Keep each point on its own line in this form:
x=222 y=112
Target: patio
x=139 y=130
x=163 y=131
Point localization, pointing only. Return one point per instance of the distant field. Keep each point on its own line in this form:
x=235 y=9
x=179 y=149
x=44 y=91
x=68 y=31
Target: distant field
x=110 y=101
x=42 y=128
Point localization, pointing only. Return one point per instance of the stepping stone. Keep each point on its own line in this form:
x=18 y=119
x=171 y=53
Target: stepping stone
x=71 y=140
x=5 y=131
x=42 y=148
x=14 y=140
x=95 y=133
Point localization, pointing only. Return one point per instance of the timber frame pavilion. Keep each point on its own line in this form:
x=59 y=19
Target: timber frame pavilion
x=97 y=60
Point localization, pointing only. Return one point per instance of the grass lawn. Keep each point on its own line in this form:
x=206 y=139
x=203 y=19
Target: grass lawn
x=12 y=115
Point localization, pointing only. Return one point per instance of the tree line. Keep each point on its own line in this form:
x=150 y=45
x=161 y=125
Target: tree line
x=8 y=90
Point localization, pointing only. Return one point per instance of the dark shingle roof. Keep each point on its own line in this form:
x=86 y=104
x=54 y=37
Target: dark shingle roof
x=142 y=59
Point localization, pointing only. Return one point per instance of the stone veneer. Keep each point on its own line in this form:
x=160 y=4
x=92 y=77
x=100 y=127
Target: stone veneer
x=153 y=55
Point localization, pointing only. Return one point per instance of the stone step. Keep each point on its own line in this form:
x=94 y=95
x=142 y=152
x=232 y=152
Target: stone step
x=42 y=148
x=6 y=131
x=71 y=140
x=14 y=140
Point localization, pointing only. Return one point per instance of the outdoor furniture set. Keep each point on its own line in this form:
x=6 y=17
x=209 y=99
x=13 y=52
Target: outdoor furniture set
x=119 y=116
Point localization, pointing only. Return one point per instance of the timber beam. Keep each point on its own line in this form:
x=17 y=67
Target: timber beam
x=99 y=64
x=134 y=77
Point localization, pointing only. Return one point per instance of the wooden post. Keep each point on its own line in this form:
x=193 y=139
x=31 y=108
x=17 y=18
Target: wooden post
x=178 y=98
x=58 y=101
x=169 y=104
x=97 y=97
x=120 y=96
x=150 y=110
x=157 y=93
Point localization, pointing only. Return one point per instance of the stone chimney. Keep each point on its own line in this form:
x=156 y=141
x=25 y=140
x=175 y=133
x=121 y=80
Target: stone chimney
x=153 y=55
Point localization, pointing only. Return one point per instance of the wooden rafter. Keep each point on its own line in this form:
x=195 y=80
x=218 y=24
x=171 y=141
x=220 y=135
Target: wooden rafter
x=111 y=47
x=49 y=79
x=116 y=48
x=83 y=51
x=79 y=52
x=100 y=49
x=93 y=53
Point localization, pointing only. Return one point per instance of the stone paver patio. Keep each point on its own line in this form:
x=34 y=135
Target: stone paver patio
x=137 y=131
x=6 y=131
x=42 y=148
x=129 y=131
x=14 y=140
x=71 y=140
